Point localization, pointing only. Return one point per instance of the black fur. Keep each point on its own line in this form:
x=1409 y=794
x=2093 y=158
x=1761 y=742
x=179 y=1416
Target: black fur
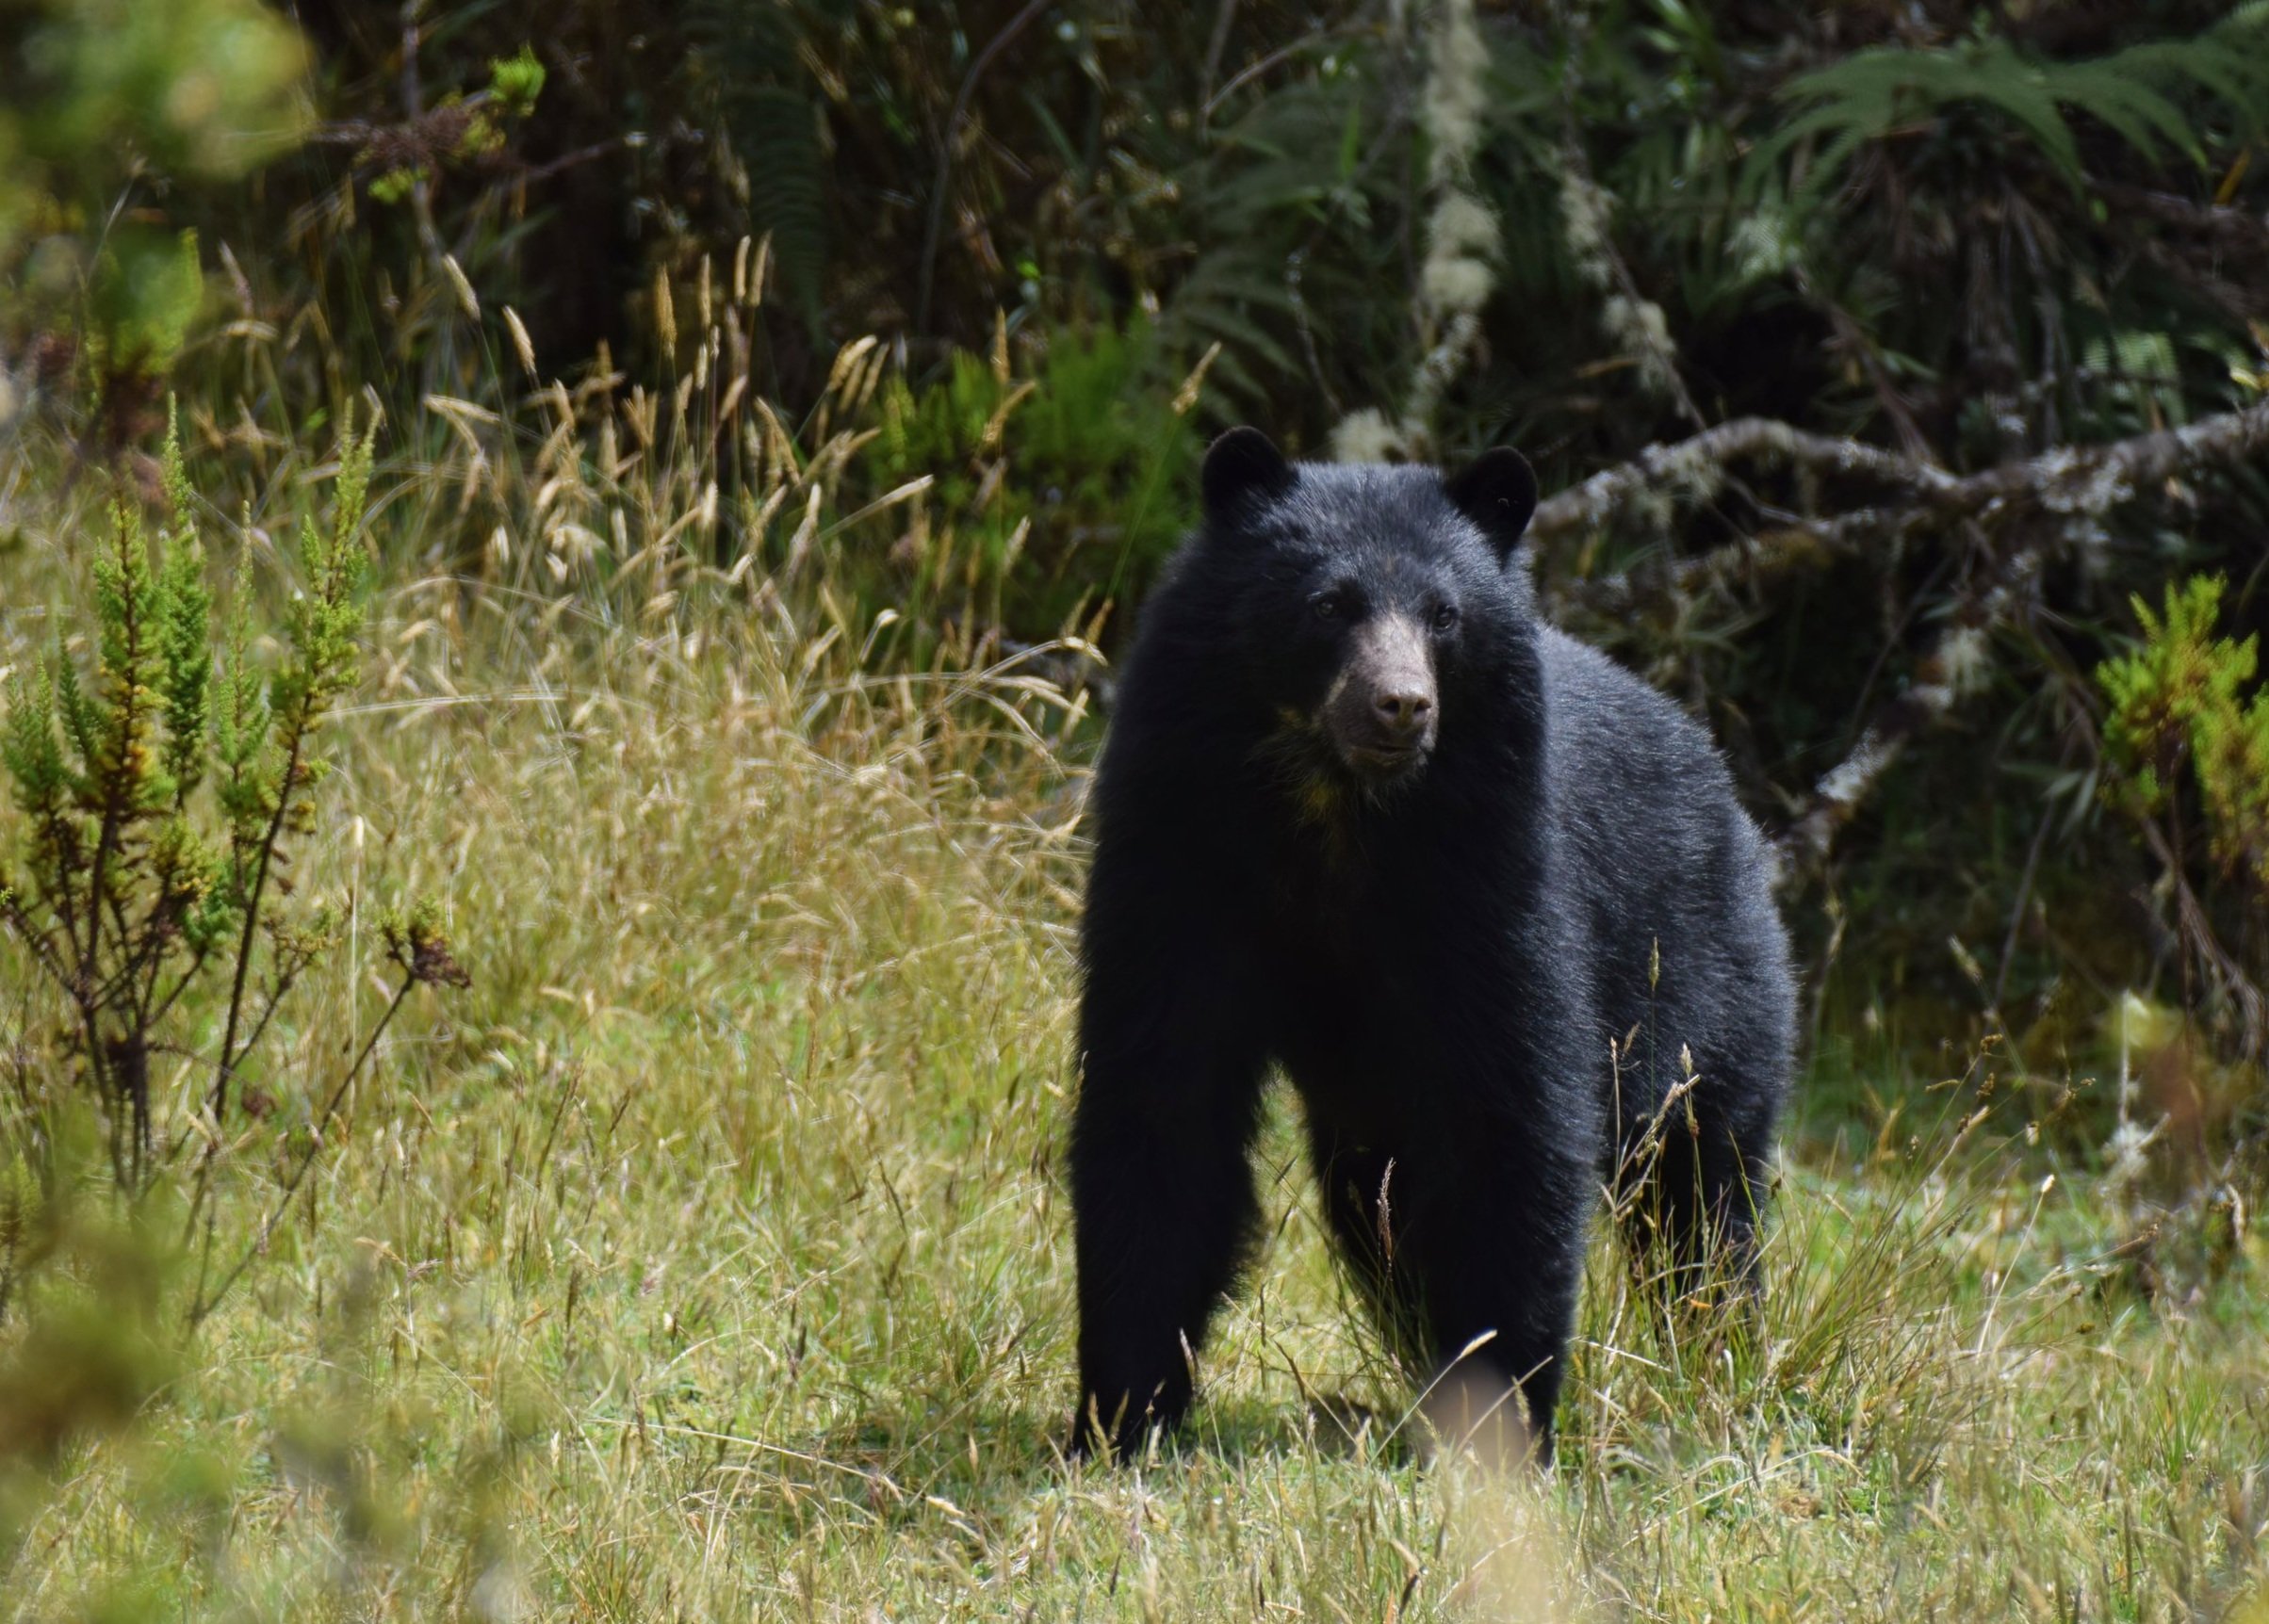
x=1441 y=956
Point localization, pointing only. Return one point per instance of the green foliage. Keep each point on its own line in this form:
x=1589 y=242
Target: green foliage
x=1872 y=93
x=1054 y=492
x=2145 y=373
x=743 y=64
x=141 y=297
x=101 y=97
x=515 y=83
x=777 y=138
x=1286 y=176
x=131 y=890
x=98 y=86
x=2185 y=695
x=396 y=184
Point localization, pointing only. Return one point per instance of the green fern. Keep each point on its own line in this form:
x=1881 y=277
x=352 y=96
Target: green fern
x=1873 y=93
x=2144 y=374
x=1287 y=175
x=744 y=63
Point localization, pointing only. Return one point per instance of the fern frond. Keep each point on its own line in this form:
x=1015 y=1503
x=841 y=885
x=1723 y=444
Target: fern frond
x=1873 y=93
x=745 y=57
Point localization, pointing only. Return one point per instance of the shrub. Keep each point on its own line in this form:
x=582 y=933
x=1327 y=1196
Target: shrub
x=160 y=792
x=2186 y=694
x=1081 y=511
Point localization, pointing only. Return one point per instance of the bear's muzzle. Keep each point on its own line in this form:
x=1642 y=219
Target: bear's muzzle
x=1382 y=711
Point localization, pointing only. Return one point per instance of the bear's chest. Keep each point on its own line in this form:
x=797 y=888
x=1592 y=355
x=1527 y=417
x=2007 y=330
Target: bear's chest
x=1356 y=984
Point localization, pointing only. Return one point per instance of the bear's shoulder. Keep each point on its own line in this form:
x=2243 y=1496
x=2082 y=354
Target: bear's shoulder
x=1612 y=737
x=1589 y=691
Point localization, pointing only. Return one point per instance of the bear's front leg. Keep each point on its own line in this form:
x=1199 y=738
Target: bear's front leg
x=1162 y=1194
x=1495 y=1258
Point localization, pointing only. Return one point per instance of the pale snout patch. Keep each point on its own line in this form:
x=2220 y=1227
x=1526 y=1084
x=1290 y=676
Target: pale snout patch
x=1382 y=711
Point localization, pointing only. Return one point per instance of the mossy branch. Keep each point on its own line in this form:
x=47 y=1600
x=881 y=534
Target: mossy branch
x=2015 y=515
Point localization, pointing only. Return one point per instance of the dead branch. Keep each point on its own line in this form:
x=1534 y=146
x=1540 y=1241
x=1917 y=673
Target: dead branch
x=1930 y=698
x=2072 y=480
x=2195 y=932
x=2227 y=227
x=1693 y=469
x=2036 y=504
x=2069 y=483
x=2090 y=479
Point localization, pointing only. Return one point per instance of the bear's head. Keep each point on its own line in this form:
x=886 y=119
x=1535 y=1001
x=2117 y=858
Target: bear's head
x=1373 y=603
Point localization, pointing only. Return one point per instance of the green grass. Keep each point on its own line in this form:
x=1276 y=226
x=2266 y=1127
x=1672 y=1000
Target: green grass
x=709 y=1258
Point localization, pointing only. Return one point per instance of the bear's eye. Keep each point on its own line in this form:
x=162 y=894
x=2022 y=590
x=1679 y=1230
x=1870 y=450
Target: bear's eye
x=1327 y=605
x=1446 y=617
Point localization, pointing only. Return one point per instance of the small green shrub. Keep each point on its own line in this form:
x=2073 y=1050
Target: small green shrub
x=2186 y=698
x=158 y=793
x=1037 y=529
x=2186 y=695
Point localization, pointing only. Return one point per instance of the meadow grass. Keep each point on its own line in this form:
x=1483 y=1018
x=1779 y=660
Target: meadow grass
x=709 y=1257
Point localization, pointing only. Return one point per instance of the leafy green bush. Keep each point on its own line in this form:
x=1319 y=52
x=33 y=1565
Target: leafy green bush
x=2185 y=695
x=100 y=96
x=98 y=88
x=160 y=790
x=1036 y=529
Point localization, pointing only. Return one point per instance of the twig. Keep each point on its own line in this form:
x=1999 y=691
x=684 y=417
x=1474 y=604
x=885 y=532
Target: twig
x=1253 y=71
x=2238 y=228
x=545 y=170
x=1854 y=339
x=2016 y=920
x=204 y=1306
x=229 y=1053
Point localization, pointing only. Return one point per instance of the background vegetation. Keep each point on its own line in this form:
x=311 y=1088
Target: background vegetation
x=543 y=828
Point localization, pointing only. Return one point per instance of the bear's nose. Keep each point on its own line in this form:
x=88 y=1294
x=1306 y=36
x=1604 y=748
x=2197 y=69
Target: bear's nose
x=1404 y=710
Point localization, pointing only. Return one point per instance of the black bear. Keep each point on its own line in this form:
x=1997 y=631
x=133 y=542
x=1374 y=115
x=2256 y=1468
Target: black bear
x=1482 y=894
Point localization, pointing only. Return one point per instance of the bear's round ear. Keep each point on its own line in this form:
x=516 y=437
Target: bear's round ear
x=1240 y=465
x=1497 y=491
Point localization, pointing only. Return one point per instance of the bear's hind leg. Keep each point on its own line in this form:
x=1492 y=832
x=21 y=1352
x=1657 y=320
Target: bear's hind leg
x=1689 y=1202
x=1355 y=1185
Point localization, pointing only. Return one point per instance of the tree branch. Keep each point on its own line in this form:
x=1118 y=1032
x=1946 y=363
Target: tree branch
x=1695 y=466
x=202 y=1305
x=2055 y=492
x=2069 y=479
